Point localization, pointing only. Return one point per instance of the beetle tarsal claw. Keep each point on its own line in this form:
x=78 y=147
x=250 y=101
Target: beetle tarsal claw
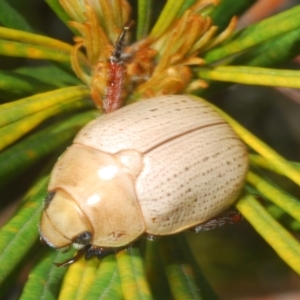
x=73 y=259
x=150 y=237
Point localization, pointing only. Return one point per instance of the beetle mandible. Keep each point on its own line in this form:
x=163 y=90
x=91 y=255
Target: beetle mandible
x=155 y=167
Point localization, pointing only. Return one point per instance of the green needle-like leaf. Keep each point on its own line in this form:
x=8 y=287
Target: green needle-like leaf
x=22 y=82
x=274 y=51
x=186 y=5
x=78 y=279
x=206 y=291
x=256 y=34
x=261 y=162
x=16 y=49
x=286 y=246
x=131 y=269
x=179 y=272
x=57 y=8
x=155 y=272
x=32 y=149
x=34 y=39
x=14 y=111
x=252 y=75
x=21 y=232
x=10 y=133
x=167 y=16
x=107 y=282
x=9 y=16
x=282 y=199
x=88 y=277
x=45 y=278
x=226 y=9
x=50 y=74
x=144 y=18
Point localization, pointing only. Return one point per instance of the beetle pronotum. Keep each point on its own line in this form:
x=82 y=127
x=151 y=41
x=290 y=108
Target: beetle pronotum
x=156 y=167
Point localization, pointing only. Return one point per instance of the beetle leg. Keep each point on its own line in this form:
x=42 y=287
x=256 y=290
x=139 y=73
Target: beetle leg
x=73 y=259
x=101 y=252
x=91 y=251
x=230 y=217
x=150 y=237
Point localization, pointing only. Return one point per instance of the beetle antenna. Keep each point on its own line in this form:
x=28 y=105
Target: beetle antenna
x=113 y=93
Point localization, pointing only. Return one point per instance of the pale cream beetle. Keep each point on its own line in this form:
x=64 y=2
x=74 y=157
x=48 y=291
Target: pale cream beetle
x=156 y=167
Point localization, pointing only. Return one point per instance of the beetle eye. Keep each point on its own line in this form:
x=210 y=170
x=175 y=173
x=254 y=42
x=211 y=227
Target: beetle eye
x=48 y=199
x=83 y=238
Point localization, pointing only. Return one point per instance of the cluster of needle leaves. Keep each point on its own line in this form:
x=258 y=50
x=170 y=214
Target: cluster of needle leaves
x=44 y=105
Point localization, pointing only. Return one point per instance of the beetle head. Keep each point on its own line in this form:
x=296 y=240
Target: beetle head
x=63 y=222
